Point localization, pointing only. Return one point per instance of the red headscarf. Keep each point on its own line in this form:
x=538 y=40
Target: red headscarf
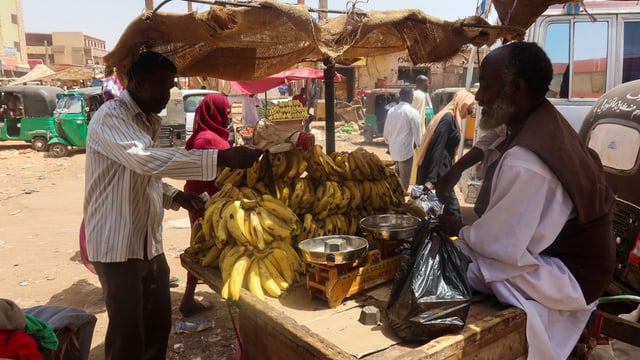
x=208 y=126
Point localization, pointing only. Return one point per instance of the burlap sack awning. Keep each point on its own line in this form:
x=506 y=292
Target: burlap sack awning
x=248 y=43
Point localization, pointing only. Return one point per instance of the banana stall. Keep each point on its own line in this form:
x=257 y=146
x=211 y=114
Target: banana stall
x=296 y=242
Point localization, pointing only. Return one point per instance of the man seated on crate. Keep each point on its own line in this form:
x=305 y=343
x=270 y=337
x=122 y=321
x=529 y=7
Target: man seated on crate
x=544 y=240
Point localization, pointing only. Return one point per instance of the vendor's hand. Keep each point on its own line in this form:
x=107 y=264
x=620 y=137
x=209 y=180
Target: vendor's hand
x=190 y=201
x=450 y=225
x=238 y=157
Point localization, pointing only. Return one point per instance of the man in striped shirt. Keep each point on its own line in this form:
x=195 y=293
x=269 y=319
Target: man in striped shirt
x=124 y=201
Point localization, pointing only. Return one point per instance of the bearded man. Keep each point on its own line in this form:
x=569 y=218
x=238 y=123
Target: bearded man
x=544 y=238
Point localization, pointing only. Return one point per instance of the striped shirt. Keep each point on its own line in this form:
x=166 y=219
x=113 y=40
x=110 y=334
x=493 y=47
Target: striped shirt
x=124 y=192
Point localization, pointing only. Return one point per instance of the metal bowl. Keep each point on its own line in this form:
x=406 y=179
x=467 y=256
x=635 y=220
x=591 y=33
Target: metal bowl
x=335 y=249
x=390 y=226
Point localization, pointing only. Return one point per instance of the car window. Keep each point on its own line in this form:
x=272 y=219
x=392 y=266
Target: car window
x=191 y=102
x=618 y=146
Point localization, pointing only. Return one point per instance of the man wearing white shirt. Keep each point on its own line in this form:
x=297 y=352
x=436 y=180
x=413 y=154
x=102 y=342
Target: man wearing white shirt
x=544 y=239
x=402 y=133
x=124 y=201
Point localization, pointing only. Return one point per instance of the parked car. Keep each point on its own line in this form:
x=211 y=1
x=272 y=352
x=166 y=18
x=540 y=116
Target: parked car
x=612 y=129
x=27 y=114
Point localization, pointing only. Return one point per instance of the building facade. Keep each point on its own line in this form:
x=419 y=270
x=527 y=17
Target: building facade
x=61 y=49
x=13 y=55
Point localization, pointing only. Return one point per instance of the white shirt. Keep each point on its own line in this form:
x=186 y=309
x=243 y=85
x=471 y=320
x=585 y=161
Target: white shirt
x=124 y=192
x=250 y=105
x=402 y=131
x=527 y=209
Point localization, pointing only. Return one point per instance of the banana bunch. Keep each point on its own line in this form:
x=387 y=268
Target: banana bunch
x=322 y=167
x=251 y=222
x=271 y=272
x=287 y=110
x=205 y=251
x=336 y=224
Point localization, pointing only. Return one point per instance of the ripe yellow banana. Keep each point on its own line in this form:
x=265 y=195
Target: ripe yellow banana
x=273 y=224
x=229 y=259
x=356 y=197
x=234 y=218
x=362 y=164
x=222 y=177
x=275 y=274
x=253 y=279
x=324 y=196
x=224 y=293
x=278 y=208
x=253 y=174
x=292 y=256
x=293 y=162
x=266 y=280
x=279 y=258
x=212 y=256
x=237 y=276
x=257 y=232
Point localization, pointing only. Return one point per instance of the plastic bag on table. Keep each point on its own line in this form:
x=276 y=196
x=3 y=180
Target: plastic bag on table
x=430 y=296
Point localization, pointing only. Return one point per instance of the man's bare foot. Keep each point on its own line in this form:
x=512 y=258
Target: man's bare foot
x=193 y=307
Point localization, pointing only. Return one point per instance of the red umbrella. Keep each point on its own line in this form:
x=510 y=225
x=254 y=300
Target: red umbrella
x=270 y=82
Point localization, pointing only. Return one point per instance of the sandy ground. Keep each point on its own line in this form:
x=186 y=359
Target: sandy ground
x=40 y=213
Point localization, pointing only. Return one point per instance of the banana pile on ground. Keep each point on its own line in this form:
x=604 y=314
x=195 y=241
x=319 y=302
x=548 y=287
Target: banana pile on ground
x=286 y=110
x=250 y=235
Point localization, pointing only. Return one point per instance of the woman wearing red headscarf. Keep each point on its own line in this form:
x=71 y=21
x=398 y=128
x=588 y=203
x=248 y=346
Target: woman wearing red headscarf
x=209 y=132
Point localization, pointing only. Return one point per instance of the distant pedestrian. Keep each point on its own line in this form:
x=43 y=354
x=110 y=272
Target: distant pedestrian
x=402 y=134
x=250 y=105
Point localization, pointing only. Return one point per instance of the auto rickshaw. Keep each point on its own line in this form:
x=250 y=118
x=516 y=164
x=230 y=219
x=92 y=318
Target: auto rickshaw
x=377 y=104
x=71 y=118
x=612 y=129
x=27 y=114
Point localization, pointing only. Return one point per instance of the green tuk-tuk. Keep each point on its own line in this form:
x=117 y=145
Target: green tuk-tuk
x=71 y=118
x=27 y=114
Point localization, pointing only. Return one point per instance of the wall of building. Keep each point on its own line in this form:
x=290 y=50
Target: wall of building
x=379 y=70
x=12 y=38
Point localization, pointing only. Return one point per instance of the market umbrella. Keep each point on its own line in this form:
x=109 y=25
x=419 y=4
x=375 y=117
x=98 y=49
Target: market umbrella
x=36 y=73
x=270 y=82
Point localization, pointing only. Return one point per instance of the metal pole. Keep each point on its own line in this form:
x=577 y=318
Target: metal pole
x=329 y=103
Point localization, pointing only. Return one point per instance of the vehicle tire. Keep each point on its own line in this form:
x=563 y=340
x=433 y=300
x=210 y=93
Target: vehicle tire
x=39 y=144
x=59 y=150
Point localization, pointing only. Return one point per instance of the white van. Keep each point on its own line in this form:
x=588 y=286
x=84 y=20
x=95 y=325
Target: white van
x=591 y=52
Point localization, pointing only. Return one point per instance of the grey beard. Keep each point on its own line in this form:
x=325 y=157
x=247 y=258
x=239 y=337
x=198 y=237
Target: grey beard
x=499 y=113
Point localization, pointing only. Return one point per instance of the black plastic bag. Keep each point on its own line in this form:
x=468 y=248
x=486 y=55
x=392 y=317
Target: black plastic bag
x=430 y=296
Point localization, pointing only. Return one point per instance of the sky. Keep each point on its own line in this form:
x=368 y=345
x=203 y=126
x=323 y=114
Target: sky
x=107 y=19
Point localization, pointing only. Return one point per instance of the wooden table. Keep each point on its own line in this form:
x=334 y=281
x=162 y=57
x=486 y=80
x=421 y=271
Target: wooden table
x=295 y=326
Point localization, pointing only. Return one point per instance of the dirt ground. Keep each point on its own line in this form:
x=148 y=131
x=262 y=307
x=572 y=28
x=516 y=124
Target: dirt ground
x=40 y=213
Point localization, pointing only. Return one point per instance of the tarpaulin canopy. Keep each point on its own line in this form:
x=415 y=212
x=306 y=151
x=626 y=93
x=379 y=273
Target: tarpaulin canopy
x=270 y=82
x=72 y=73
x=35 y=74
x=253 y=42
